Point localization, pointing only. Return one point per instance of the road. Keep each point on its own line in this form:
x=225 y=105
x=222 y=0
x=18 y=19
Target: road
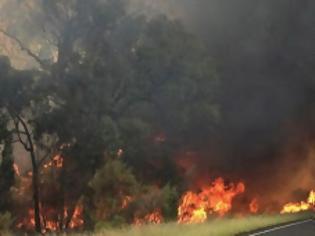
x=302 y=228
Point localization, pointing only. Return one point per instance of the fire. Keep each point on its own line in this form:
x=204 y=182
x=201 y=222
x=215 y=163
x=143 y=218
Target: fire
x=126 y=201
x=57 y=162
x=52 y=219
x=253 y=206
x=199 y=216
x=154 y=217
x=300 y=206
x=52 y=224
x=120 y=152
x=311 y=198
x=213 y=199
x=76 y=220
x=16 y=169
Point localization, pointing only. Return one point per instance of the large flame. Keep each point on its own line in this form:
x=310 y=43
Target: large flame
x=213 y=199
x=294 y=207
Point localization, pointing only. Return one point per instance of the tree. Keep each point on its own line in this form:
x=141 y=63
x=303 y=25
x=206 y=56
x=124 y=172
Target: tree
x=12 y=103
x=113 y=187
x=6 y=166
x=117 y=80
x=20 y=105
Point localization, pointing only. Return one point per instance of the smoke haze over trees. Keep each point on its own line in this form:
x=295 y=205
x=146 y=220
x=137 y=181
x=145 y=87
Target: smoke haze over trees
x=161 y=93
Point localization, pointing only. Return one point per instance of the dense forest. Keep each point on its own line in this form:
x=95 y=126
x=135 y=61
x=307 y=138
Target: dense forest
x=111 y=110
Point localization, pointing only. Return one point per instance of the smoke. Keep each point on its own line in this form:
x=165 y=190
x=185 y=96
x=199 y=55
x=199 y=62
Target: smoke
x=264 y=51
x=265 y=55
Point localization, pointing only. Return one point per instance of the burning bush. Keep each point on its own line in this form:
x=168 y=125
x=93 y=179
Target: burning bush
x=294 y=207
x=57 y=212
x=118 y=198
x=154 y=205
x=112 y=188
x=215 y=198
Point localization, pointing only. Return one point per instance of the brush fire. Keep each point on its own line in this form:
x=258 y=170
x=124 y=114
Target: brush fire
x=53 y=218
x=300 y=206
x=214 y=199
x=118 y=113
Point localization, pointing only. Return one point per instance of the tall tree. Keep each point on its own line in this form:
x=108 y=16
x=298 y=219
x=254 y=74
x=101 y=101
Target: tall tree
x=15 y=105
x=116 y=81
x=6 y=166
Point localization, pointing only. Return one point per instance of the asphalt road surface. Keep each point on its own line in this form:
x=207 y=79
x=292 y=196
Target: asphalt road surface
x=302 y=228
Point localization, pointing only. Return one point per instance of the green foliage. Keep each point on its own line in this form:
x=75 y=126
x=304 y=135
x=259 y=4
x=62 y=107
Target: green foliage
x=6 y=167
x=175 y=68
x=110 y=186
x=112 y=88
x=218 y=227
x=117 y=221
x=152 y=198
x=15 y=86
x=114 y=183
x=5 y=222
x=170 y=198
x=117 y=81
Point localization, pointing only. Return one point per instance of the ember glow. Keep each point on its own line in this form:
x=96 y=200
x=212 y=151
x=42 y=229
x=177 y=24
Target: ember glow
x=215 y=198
x=253 y=206
x=52 y=219
x=125 y=202
x=57 y=162
x=77 y=218
x=16 y=169
x=154 y=217
x=300 y=206
x=49 y=221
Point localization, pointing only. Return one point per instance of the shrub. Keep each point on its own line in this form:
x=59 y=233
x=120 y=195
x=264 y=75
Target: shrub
x=5 y=221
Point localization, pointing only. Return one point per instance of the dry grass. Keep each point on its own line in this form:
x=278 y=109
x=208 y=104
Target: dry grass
x=218 y=227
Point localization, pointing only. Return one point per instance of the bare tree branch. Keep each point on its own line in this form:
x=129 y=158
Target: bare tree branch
x=15 y=141
x=16 y=124
x=17 y=119
x=18 y=131
x=27 y=50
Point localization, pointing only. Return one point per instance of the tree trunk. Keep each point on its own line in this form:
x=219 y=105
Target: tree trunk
x=35 y=193
x=29 y=146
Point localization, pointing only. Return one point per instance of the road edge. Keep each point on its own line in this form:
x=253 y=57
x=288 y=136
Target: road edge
x=261 y=231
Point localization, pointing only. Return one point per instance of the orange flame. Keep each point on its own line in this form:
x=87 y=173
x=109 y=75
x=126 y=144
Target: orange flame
x=52 y=225
x=57 y=162
x=253 y=206
x=213 y=199
x=126 y=201
x=311 y=198
x=76 y=220
x=52 y=219
x=152 y=218
x=16 y=169
x=300 y=206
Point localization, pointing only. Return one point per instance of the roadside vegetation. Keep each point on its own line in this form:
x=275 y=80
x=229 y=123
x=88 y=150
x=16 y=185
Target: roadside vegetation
x=214 y=227
x=217 y=227
x=113 y=115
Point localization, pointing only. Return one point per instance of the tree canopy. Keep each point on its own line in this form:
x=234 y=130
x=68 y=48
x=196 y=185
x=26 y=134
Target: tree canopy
x=107 y=85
